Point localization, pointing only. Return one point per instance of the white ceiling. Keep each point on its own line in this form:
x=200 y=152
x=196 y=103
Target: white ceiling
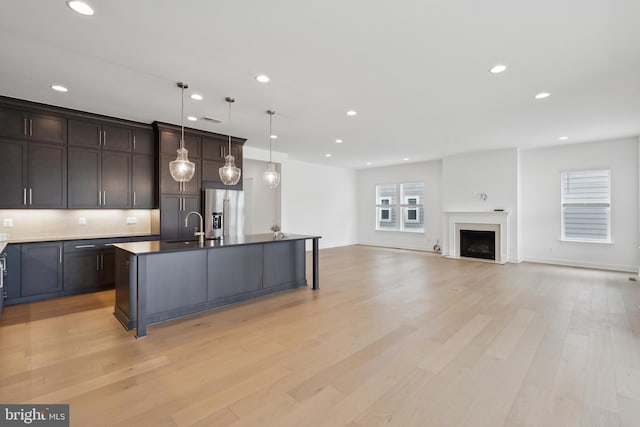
x=416 y=71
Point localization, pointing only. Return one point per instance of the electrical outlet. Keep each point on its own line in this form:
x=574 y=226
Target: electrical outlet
x=82 y=220
x=8 y=222
x=132 y=220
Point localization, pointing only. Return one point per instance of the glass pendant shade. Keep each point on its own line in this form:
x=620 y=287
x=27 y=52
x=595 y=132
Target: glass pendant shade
x=181 y=169
x=230 y=173
x=271 y=176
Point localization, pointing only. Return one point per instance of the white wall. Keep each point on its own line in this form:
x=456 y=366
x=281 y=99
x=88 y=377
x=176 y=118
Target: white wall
x=541 y=210
x=493 y=172
x=319 y=200
x=428 y=172
x=262 y=203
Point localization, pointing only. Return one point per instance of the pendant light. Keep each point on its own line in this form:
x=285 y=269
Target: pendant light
x=181 y=168
x=271 y=176
x=230 y=173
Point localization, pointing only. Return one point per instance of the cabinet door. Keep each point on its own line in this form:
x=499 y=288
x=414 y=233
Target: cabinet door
x=213 y=149
x=170 y=216
x=12 y=161
x=47 y=176
x=108 y=268
x=41 y=268
x=47 y=128
x=81 y=270
x=173 y=211
x=84 y=178
x=116 y=137
x=13 y=123
x=85 y=133
x=210 y=174
x=116 y=179
x=170 y=142
x=143 y=141
x=142 y=181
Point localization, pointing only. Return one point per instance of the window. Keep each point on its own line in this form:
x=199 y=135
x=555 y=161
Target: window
x=586 y=205
x=408 y=215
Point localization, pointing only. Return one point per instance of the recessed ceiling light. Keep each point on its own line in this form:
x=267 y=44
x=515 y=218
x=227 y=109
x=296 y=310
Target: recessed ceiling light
x=274 y=136
x=59 y=88
x=563 y=138
x=192 y=118
x=338 y=141
x=327 y=155
x=263 y=78
x=497 y=69
x=80 y=7
x=368 y=163
x=196 y=96
x=351 y=113
x=405 y=159
x=543 y=95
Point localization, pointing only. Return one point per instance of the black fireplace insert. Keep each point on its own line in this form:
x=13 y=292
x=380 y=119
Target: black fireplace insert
x=478 y=244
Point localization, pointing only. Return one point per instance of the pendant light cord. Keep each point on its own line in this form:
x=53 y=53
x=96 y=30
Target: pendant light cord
x=270 y=134
x=229 y=101
x=182 y=118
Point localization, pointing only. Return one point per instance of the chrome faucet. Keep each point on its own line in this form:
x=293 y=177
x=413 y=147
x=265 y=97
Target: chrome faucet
x=199 y=234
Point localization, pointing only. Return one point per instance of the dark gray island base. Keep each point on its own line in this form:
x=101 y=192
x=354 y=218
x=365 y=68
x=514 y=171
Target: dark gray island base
x=157 y=281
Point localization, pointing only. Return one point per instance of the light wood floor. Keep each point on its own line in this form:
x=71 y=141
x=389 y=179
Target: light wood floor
x=393 y=338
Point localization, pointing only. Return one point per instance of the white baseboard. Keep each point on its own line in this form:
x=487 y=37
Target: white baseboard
x=584 y=264
x=392 y=246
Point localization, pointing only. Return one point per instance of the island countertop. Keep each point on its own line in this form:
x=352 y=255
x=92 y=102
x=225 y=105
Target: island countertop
x=153 y=247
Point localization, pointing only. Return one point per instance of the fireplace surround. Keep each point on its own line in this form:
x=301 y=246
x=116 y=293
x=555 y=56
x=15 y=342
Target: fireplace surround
x=492 y=221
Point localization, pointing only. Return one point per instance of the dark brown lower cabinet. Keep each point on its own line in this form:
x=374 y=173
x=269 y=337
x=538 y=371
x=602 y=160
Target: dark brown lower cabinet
x=41 y=268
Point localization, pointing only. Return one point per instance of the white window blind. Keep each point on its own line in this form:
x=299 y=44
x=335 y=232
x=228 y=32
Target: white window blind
x=586 y=205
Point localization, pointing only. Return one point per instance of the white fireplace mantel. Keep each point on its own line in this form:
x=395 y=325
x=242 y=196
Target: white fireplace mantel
x=497 y=221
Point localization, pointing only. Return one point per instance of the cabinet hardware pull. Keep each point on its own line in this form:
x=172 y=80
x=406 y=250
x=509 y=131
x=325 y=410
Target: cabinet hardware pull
x=101 y=261
x=134 y=143
x=221 y=153
x=104 y=138
x=134 y=198
x=30 y=196
x=97 y=262
x=30 y=127
x=60 y=255
x=24 y=195
x=24 y=127
x=84 y=246
x=99 y=198
x=104 y=198
x=99 y=137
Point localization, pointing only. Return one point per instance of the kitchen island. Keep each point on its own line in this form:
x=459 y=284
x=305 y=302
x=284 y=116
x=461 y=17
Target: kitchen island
x=160 y=280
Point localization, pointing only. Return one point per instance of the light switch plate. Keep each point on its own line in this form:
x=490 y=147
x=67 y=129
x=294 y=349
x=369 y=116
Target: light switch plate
x=8 y=222
x=82 y=220
x=132 y=220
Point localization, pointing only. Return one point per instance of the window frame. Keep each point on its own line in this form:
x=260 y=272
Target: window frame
x=402 y=208
x=564 y=204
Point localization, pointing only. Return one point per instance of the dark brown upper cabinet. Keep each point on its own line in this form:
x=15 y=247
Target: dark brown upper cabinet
x=32 y=125
x=107 y=136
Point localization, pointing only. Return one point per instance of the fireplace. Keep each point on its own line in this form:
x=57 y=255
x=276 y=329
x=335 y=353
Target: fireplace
x=496 y=222
x=478 y=244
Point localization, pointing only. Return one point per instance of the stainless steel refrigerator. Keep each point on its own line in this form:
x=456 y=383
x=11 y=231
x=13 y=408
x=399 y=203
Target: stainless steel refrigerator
x=223 y=212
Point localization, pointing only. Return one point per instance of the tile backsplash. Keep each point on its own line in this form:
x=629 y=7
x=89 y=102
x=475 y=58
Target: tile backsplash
x=39 y=224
